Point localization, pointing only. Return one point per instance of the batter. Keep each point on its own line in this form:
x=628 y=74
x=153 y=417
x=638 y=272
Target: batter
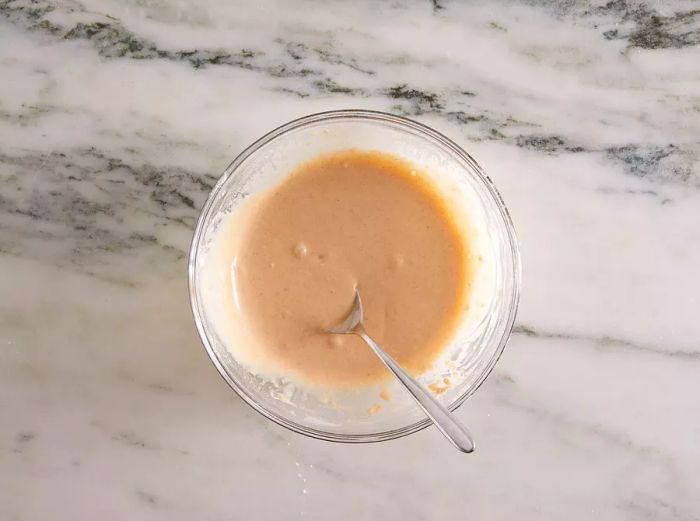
x=288 y=263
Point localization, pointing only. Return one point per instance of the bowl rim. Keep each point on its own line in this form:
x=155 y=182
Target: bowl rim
x=375 y=116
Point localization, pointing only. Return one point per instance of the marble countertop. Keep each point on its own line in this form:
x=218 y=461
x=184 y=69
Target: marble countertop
x=116 y=118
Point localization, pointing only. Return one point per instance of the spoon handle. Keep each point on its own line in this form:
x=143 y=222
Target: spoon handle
x=442 y=418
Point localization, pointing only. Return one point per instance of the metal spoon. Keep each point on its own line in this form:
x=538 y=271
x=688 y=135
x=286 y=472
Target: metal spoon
x=442 y=418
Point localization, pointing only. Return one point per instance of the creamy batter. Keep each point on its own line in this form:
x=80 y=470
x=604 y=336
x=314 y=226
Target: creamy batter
x=290 y=260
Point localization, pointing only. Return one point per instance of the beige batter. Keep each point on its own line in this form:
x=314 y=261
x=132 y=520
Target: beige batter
x=353 y=218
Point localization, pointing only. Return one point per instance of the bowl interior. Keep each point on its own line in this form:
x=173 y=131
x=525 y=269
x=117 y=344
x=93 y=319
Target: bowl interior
x=343 y=415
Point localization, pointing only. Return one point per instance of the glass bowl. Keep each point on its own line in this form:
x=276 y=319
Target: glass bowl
x=348 y=415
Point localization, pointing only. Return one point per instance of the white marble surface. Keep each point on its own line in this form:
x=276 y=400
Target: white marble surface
x=116 y=117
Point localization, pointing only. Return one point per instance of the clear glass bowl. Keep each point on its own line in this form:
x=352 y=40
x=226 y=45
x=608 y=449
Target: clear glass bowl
x=344 y=415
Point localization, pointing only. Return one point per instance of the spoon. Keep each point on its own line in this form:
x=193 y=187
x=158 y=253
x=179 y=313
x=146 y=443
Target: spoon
x=442 y=418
